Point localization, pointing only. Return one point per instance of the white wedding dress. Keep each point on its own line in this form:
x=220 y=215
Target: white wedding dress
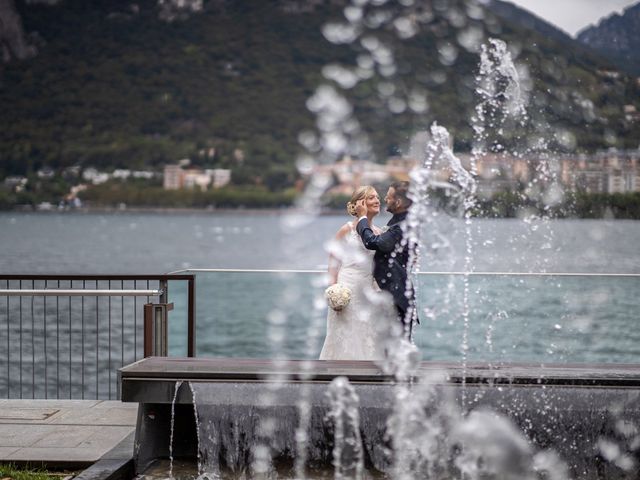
x=355 y=332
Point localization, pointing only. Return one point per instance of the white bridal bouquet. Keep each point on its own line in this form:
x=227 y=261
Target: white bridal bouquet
x=338 y=296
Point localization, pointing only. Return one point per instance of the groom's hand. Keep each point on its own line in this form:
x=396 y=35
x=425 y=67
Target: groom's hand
x=361 y=208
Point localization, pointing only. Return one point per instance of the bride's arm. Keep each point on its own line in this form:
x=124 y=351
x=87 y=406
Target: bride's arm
x=334 y=261
x=334 y=268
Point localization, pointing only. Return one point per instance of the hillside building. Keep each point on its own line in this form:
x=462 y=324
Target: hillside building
x=179 y=176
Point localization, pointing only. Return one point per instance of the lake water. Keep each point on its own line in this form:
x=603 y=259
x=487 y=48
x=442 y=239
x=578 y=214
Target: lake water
x=540 y=319
x=159 y=243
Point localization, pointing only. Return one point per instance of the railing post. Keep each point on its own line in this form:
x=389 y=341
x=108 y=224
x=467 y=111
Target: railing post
x=164 y=288
x=191 y=318
x=156 y=334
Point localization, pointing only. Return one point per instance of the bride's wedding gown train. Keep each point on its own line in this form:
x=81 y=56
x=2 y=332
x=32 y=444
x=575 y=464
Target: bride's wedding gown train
x=355 y=333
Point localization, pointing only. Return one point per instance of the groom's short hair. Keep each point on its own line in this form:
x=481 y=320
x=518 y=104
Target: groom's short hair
x=401 y=188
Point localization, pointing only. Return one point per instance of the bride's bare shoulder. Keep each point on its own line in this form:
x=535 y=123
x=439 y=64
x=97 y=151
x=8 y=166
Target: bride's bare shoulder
x=344 y=230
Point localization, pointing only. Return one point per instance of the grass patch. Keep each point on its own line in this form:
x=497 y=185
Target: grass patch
x=13 y=472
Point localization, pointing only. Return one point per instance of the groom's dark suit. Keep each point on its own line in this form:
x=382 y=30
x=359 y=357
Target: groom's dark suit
x=390 y=264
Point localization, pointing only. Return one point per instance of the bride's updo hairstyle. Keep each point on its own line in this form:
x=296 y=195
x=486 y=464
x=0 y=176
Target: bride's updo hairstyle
x=359 y=194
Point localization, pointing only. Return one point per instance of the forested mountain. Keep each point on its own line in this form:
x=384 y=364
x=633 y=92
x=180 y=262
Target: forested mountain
x=116 y=83
x=617 y=37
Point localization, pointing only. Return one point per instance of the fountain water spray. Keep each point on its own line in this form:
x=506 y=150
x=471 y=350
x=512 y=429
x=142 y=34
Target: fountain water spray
x=501 y=99
x=417 y=428
x=173 y=412
x=197 y=421
x=439 y=152
x=348 y=458
x=339 y=134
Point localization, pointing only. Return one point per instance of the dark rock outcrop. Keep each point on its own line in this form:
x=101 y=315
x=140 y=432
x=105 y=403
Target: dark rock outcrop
x=13 y=39
x=617 y=37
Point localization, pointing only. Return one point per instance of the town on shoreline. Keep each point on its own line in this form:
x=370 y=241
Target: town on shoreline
x=604 y=184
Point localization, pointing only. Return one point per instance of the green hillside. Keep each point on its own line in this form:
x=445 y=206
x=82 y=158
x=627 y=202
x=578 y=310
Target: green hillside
x=113 y=87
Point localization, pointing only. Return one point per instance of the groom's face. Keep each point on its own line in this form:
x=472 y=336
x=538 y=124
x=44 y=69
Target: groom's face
x=391 y=200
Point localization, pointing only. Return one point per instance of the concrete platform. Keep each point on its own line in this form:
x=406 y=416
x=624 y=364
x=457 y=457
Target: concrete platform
x=65 y=433
x=567 y=409
x=144 y=378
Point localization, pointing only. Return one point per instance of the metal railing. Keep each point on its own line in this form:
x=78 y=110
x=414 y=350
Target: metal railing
x=560 y=316
x=422 y=272
x=65 y=336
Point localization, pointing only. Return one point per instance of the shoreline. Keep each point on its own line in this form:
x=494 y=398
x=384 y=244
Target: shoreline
x=173 y=210
x=245 y=211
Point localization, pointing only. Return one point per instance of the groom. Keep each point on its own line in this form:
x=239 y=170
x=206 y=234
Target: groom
x=392 y=254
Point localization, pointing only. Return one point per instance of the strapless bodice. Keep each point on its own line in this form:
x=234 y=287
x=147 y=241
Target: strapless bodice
x=356 y=260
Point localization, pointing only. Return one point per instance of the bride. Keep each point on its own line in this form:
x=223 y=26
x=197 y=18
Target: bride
x=353 y=332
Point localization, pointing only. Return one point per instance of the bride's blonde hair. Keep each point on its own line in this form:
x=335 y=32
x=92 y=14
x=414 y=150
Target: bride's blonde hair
x=359 y=194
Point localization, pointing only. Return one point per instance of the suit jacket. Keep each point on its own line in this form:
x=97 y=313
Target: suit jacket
x=390 y=261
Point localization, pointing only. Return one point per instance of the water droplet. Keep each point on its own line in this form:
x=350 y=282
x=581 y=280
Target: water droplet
x=397 y=105
x=405 y=27
x=342 y=76
x=353 y=14
x=339 y=33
